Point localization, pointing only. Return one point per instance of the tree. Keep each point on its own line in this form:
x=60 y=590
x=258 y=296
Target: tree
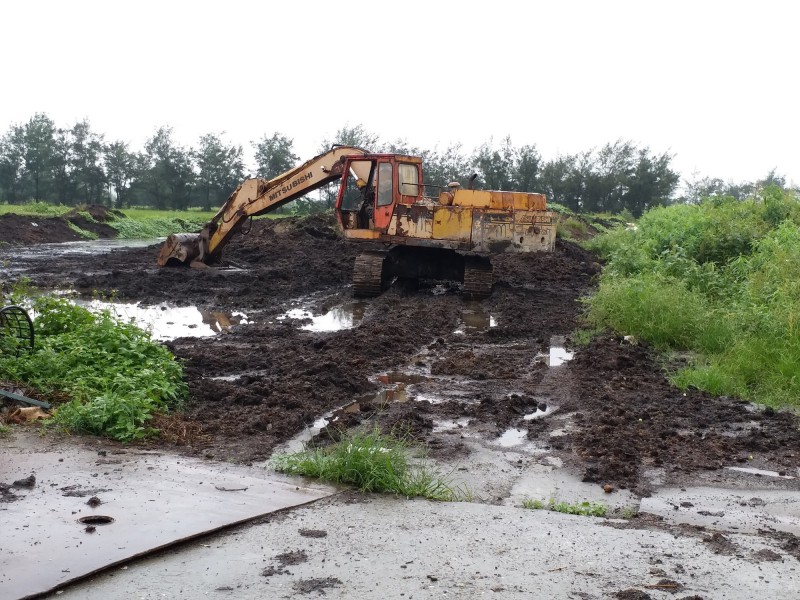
x=652 y=183
x=563 y=180
x=88 y=174
x=38 y=136
x=62 y=166
x=495 y=166
x=166 y=174
x=12 y=165
x=353 y=136
x=442 y=168
x=220 y=169
x=274 y=155
x=120 y=168
x=527 y=169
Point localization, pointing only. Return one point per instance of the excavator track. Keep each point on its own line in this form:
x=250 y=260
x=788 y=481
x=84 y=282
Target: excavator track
x=477 y=280
x=369 y=279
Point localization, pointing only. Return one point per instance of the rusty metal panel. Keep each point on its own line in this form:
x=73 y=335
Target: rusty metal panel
x=150 y=500
x=536 y=202
x=414 y=221
x=452 y=223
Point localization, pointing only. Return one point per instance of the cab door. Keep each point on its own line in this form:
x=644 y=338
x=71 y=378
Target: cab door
x=384 y=195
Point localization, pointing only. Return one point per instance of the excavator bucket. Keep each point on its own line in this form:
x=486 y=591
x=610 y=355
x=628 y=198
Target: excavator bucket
x=180 y=248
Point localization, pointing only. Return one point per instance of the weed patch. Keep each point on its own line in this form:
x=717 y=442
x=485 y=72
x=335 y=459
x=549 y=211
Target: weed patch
x=584 y=509
x=720 y=279
x=373 y=462
x=114 y=375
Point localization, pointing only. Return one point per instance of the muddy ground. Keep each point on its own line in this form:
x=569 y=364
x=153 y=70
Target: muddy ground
x=610 y=413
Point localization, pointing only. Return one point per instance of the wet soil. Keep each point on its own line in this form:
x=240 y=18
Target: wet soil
x=256 y=386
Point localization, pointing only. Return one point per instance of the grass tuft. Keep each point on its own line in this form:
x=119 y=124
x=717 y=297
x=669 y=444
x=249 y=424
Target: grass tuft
x=373 y=462
x=584 y=509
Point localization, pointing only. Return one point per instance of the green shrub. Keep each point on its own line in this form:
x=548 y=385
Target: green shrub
x=113 y=373
x=721 y=279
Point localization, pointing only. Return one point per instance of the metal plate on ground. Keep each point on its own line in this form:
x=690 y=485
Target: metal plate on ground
x=154 y=500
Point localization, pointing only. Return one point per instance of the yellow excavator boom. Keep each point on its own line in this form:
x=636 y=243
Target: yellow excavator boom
x=254 y=197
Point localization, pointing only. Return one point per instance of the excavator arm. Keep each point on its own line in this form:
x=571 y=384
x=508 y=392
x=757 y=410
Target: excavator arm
x=254 y=197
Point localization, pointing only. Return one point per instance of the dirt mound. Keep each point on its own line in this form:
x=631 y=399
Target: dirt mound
x=18 y=230
x=98 y=212
x=29 y=230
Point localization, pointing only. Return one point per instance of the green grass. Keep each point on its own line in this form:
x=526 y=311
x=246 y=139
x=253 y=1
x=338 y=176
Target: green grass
x=584 y=509
x=152 y=227
x=372 y=462
x=720 y=280
x=114 y=376
x=34 y=209
x=5 y=430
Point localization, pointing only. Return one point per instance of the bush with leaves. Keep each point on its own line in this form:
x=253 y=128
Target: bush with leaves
x=115 y=375
x=720 y=279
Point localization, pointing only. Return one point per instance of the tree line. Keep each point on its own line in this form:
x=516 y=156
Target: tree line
x=74 y=165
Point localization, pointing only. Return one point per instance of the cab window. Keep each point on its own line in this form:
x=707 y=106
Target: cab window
x=408 y=179
x=384 y=184
x=353 y=192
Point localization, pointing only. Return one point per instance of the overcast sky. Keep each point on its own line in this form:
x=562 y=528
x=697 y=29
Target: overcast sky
x=714 y=83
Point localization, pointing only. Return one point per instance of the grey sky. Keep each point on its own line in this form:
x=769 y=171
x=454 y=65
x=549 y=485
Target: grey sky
x=712 y=82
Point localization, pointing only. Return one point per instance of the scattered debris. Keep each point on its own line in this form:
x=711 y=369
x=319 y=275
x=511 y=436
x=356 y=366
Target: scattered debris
x=766 y=554
x=632 y=594
x=666 y=585
x=306 y=586
x=285 y=559
x=28 y=482
x=292 y=558
x=74 y=491
x=313 y=533
x=6 y=495
x=719 y=544
x=26 y=414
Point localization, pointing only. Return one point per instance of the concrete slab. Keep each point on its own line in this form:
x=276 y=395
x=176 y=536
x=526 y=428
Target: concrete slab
x=386 y=548
x=744 y=511
x=154 y=500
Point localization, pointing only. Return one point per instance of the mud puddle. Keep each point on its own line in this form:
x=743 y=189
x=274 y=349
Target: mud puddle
x=23 y=258
x=557 y=354
x=337 y=318
x=167 y=322
x=474 y=319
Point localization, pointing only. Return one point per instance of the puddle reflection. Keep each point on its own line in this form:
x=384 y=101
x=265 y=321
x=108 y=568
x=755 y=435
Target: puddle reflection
x=475 y=319
x=167 y=322
x=557 y=354
x=336 y=319
x=512 y=437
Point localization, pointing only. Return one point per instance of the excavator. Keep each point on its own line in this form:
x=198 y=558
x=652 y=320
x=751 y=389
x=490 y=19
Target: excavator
x=416 y=230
